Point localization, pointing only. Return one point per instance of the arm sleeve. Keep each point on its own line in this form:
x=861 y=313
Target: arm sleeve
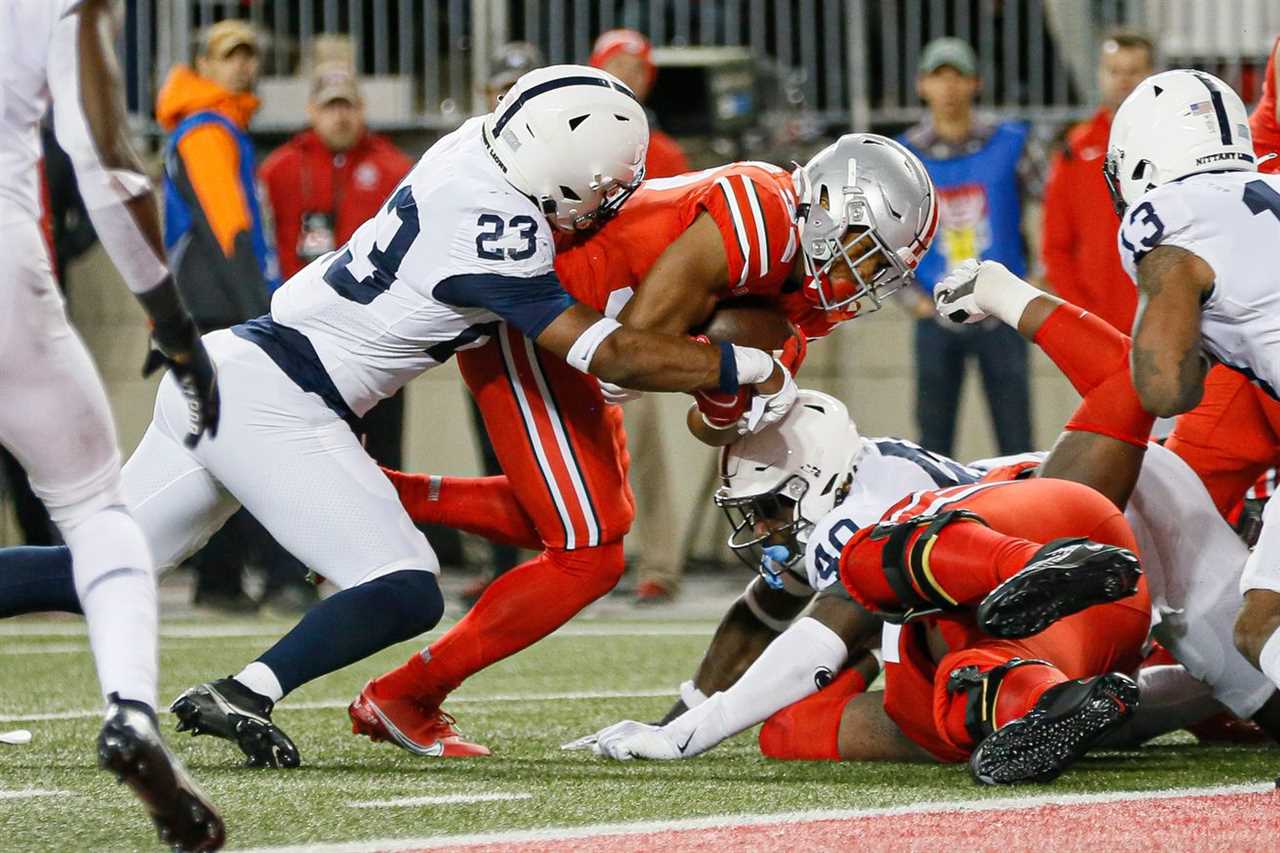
x=105 y=191
x=756 y=226
x=1059 y=237
x=212 y=165
x=529 y=304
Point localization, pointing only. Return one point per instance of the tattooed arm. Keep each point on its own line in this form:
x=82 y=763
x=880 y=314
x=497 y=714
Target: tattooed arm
x=1168 y=365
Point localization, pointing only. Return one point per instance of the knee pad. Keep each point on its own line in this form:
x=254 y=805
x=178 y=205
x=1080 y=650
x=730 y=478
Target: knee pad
x=904 y=560
x=413 y=601
x=106 y=542
x=600 y=567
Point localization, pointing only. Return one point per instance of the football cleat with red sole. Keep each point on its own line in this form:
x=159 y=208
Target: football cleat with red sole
x=410 y=726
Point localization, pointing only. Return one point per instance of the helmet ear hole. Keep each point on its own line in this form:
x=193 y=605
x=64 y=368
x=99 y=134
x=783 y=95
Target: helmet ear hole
x=568 y=193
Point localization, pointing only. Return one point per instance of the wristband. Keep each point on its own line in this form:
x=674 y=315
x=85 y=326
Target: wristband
x=728 y=368
x=584 y=348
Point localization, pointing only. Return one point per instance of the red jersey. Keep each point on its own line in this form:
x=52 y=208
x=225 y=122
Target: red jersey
x=753 y=205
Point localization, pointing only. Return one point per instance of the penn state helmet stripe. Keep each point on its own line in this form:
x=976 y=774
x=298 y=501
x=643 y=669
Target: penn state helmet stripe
x=1219 y=108
x=552 y=85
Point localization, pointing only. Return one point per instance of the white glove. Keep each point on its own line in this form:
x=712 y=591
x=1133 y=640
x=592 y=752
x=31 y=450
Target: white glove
x=955 y=296
x=628 y=739
x=767 y=409
x=616 y=394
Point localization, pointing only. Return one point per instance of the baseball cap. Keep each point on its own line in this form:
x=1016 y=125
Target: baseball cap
x=223 y=37
x=334 y=81
x=613 y=42
x=953 y=52
x=511 y=61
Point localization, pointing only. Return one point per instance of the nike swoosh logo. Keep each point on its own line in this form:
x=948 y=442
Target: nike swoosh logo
x=682 y=747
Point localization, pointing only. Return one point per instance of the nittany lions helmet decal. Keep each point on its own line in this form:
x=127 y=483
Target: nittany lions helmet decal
x=573 y=139
x=874 y=185
x=799 y=470
x=1176 y=123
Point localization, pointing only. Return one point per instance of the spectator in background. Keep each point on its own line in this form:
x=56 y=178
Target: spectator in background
x=1081 y=262
x=223 y=264
x=627 y=55
x=323 y=184
x=981 y=168
x=1265 y=119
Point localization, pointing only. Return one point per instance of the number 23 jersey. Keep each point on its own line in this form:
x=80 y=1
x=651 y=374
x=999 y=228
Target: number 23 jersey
x=455 y=250
x=1231 y=220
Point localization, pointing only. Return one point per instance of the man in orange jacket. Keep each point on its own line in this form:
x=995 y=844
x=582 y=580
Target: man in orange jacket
x=1081 y=261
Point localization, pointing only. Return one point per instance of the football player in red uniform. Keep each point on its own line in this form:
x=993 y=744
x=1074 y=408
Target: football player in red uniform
x=847 y=229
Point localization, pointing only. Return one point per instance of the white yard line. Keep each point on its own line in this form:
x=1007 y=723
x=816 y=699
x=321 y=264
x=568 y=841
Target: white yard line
x=440 y=800
x=32 y=793
x=25 y=630
x=47 y=649
x=736 y=820
x=342 y=703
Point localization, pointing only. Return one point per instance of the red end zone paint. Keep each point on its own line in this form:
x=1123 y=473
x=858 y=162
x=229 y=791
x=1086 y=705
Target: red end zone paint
x=1235 y=823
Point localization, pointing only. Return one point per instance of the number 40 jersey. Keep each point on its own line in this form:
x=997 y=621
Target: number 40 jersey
x=455 y=250
x=1230 y=220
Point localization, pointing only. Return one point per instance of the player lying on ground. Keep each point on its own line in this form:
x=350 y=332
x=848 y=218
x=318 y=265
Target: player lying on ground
x=463 y=244
x=54 y=416
x=815 y=244
x=1185 y=546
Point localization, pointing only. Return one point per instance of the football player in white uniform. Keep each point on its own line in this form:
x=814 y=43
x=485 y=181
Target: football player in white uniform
x=816 y=462
x=54 y=415
x=464 y=243
x=1199 y=234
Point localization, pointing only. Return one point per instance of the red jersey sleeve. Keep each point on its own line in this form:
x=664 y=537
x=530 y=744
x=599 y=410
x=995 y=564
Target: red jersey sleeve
x=755 y=211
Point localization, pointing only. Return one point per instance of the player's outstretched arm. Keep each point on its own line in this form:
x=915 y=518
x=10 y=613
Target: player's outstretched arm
x=1168 y=364
x=680 y=291
x=91 y=124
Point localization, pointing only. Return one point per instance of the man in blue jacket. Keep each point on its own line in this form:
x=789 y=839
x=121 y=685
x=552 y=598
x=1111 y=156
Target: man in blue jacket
x=982 y=169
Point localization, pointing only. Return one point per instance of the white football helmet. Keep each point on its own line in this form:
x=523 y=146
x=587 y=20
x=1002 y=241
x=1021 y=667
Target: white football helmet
x=870 y=183
x=1176 y=123
x=798 y=471
x=573 y=139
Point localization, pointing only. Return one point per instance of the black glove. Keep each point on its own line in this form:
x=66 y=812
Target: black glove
x=177 y=346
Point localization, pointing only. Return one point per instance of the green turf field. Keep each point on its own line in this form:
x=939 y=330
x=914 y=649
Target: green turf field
x=595 y=673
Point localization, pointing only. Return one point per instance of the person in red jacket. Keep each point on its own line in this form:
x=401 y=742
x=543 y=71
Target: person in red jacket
x=328 y=179
x=321 y=185
x=1082 y=264
x=627 y=55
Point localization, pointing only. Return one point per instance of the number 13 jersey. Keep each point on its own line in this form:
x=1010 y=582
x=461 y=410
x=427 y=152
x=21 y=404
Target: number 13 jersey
x=1231 y=220
x=455 y=250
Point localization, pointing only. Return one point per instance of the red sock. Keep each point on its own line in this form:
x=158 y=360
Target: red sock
x=809 y=730
x=1021 y=688
x=1086 y=348
x=966 y=561
x=516 y=610
x=485 y=506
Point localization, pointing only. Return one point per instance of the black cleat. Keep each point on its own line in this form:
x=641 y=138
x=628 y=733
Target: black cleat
x=1064 y=577
x=1067 y=721
x=130 y=747
x=227 y=709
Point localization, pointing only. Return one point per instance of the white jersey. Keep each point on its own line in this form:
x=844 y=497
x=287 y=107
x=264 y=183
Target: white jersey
x=454 y=251
x=888 y=470
x=1231 y=220
x=27 y=29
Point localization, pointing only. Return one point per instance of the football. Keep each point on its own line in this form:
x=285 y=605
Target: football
x=749 y=323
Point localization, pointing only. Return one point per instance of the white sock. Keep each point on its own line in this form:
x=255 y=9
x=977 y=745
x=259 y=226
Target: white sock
x=1269 y=659
x=259 y=678
x=116 y=582
x=1002 y=294
x=784 y=673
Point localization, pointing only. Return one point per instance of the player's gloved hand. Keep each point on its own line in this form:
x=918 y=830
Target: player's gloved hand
x=616 y=394
x=720 y=410
x=767 y=408
x=955 y=297
x=182 y=351
x=628 y=739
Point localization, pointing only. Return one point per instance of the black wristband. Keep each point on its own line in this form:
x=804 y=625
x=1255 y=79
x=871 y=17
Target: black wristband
x=728 y=369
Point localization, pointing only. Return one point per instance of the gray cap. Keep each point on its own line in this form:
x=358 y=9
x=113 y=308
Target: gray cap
x=953 y=52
